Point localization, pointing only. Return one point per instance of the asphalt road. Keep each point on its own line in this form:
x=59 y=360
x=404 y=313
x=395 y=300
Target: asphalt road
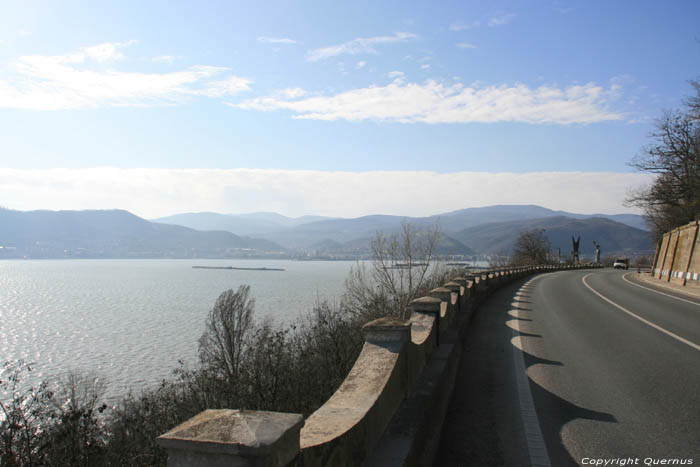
x=574 y=368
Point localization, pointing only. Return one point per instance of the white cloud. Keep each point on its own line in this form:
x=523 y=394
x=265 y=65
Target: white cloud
x=460 y=26
x=292 y=93
x=466 y=45
x=158 y=192
x=395 y=74
x=433 y=102
x=227 y=87
x=101 y=53
x=169 y=59
x=276 y=40
x=425 y=66
x=361 y=64
x=358 y=46
x=86 y=79
x=501 y=20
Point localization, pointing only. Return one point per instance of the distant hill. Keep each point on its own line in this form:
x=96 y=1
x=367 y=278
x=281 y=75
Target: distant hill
x=339 y=230
x=362 y=246
x=346 y=230
x=464 y=218
x=114 y=234
x=239 y=224
x=352 y=236
x=613 y=237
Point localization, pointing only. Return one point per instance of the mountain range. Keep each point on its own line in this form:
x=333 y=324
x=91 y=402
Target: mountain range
x=472 y=231
x=483 y=230
x=114 y=234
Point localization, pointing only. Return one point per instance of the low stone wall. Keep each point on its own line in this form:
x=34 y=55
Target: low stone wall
x=677 y=259
x=389 y=409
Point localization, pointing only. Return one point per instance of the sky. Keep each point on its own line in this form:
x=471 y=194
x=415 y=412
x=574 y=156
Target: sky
x=329 y=108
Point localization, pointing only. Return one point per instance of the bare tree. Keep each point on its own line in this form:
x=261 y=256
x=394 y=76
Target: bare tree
x=77 y=436
x=400 y=266
x=531 y=247
x=19 y=421
x=224 y=339
x=673 y=198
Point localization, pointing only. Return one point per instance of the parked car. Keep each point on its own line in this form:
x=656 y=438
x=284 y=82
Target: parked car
x=621 y=263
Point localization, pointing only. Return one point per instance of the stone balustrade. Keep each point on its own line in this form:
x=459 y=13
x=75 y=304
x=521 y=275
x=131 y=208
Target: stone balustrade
x=388 y=410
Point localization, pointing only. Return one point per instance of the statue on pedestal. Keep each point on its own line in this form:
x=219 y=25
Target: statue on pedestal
x=574 y=253
x=597 y=252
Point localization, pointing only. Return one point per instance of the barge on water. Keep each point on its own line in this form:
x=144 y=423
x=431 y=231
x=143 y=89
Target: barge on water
x=237 y=269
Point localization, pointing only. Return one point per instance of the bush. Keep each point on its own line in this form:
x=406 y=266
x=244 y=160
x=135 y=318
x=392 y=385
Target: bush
x=52 y=426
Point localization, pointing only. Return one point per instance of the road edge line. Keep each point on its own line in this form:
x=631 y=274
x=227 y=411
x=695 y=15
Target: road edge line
x=624 y=278
x=537 y=449
x=645 y=321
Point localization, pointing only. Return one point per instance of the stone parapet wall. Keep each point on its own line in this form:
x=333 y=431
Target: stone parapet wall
x=677 y=258
x=389 y=409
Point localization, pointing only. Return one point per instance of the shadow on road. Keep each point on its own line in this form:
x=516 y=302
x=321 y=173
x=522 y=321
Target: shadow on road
x=483 y=425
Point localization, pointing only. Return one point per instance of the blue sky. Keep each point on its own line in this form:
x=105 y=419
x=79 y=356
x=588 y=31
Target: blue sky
x=359 y=97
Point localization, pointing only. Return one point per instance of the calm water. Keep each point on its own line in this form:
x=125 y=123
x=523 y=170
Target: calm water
x=131 y=320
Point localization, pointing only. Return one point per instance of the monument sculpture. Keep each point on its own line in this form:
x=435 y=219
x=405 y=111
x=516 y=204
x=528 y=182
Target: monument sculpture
x=597 y=252
x=574 y=253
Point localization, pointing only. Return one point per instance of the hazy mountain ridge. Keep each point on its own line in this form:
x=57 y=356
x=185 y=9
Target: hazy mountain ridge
x=118 y=233
x=362 y=246
x=469 y=217
x=614 y=237
x=239 y=224
x=452 y=223
x=114 y=233
x=306 y=232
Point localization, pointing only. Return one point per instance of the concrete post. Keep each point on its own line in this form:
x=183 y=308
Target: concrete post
x=464 y=293
x=387 y=330
x=227 y=437
x=429 y=305
x=455 y=287
x=443 y=293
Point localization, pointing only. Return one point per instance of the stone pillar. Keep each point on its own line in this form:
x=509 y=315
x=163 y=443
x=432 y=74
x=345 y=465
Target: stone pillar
x=227 y=437
x=456 y=288
x=429 y=305
x=464 y=294
x=443 y=293
x=387 y=330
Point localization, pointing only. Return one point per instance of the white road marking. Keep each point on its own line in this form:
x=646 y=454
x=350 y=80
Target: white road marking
x=531 y=424
x=624 y=277
x=645 y=321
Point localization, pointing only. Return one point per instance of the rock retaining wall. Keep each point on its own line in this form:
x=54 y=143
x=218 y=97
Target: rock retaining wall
x=677 y=259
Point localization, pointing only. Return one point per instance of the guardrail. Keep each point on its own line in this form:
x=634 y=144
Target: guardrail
x=389 y=409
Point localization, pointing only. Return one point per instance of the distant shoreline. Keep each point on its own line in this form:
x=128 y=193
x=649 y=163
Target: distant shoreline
x=237 y=269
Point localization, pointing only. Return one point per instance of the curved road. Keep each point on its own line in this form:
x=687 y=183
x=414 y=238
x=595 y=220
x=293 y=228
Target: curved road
x=574 y=368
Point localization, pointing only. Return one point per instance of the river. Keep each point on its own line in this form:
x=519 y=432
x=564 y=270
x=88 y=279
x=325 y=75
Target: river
x=130 y=321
